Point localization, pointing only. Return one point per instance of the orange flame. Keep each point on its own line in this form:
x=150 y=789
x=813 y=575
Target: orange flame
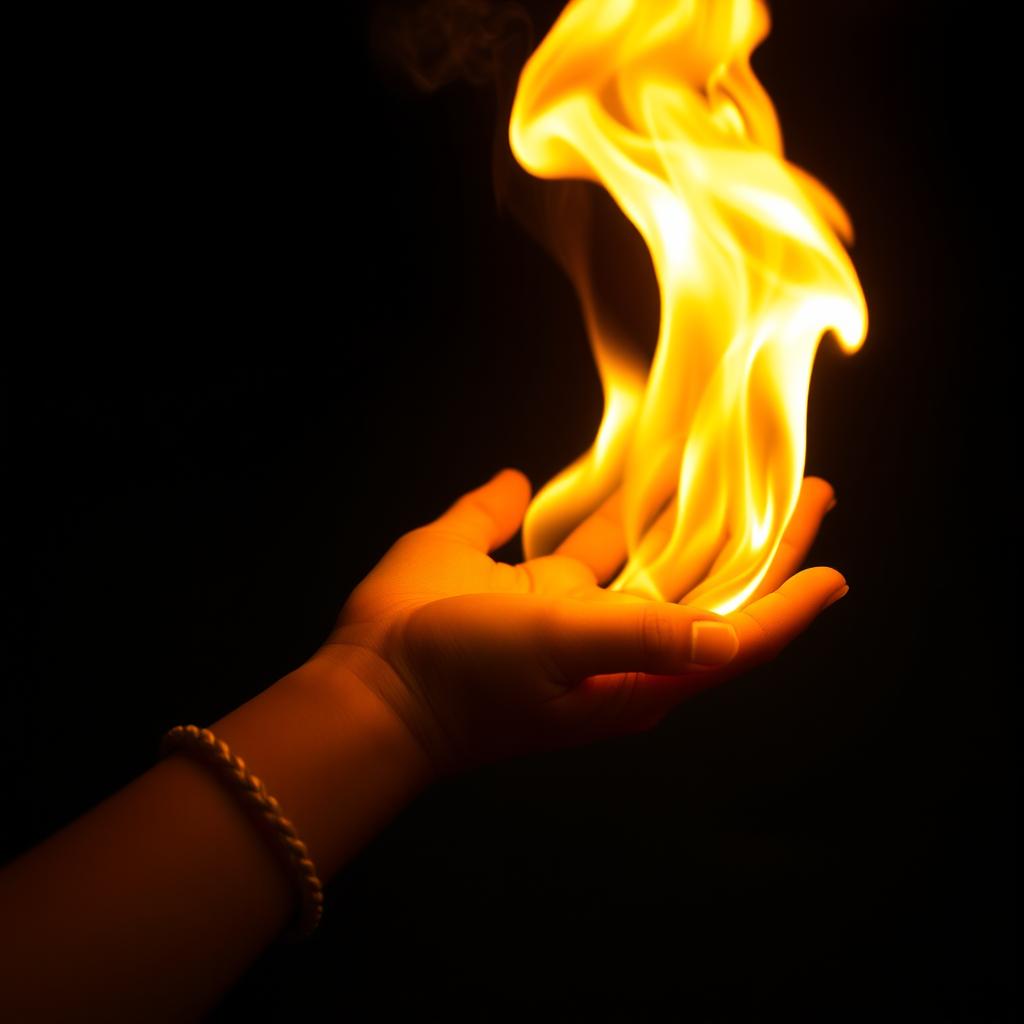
x=656 y=101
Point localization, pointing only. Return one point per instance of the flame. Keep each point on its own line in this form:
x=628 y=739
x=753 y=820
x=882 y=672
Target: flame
x=656 y=101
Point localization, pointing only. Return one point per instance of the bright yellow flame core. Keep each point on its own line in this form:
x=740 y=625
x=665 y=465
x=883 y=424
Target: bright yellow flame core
x=656 y=101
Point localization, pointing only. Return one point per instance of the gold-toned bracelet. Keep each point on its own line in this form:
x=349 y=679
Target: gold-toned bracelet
x=266 y=815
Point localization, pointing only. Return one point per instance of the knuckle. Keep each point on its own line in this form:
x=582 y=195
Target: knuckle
x=770 y=642
x=474 y=504
x=416 y=535
x=657 y=633
x=627 y=692
x=570 y=571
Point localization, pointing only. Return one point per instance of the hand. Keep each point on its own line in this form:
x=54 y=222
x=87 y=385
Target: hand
x=481 y=659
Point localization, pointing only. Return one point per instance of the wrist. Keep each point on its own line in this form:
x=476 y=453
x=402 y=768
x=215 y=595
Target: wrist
x=360 y=682
x=396 y=691
x=337 y=759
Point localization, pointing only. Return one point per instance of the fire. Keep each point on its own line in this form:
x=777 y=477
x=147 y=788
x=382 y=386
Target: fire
x=656 y=101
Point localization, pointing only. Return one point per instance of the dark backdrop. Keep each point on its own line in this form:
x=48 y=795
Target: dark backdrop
x=218 y=424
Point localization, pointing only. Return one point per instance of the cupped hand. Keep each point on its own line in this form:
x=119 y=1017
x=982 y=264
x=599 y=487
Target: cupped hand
x=482 y=659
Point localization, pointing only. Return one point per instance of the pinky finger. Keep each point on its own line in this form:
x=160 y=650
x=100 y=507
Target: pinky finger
x=765 y=627
x=816 y=499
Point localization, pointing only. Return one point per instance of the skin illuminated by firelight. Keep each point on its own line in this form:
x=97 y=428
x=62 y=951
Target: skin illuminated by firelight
x=150 y=905
x=656 y=101
x=484 y=659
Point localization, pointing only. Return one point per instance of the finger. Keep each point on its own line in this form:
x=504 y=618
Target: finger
x=816 y=499
x=618 y=704
x=629 y=702
x=599 y=542
x=583 y=638
x=769 y=624
x=556 y=575
x=488 y=516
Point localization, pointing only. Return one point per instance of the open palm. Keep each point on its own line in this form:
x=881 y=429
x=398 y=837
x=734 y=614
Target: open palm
x=483 y=659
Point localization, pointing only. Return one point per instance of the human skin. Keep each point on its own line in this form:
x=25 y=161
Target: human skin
x=152 y=904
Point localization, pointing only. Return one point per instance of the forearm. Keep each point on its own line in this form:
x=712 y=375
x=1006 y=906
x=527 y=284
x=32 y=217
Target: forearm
x=153 y=903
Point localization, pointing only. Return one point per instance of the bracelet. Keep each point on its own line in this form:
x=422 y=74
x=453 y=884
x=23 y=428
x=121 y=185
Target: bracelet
x=266 y=814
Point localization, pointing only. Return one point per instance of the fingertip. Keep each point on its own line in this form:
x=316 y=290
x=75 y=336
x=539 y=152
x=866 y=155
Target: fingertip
x=510 y=471
x=820 y=489
x=836 y=578
x=511 y=488
x=820 y=581
x=511 y=477
x=821 y=574
x=837 y=596
x=489 y=515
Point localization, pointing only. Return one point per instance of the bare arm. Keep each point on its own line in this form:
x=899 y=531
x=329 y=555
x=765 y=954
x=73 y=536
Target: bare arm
x=151 y=905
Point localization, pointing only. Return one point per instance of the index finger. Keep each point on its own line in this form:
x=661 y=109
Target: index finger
x=487 y=516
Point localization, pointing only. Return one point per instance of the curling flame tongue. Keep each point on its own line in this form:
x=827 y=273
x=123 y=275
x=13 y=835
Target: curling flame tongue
x=656 y=101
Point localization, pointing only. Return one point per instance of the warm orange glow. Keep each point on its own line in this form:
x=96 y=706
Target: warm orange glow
x=656 y=101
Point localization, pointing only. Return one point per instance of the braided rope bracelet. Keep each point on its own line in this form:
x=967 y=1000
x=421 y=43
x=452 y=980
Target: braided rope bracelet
x=266 y=812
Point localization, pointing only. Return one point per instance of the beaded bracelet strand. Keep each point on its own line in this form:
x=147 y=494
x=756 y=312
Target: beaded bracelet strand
x=266 y=813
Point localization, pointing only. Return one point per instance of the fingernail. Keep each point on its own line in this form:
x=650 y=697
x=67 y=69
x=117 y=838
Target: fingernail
x=840 y=593
x=712 y=643
x=831 y=505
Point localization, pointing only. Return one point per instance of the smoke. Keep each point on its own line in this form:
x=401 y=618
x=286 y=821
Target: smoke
x=436 y=42
x=431 y=44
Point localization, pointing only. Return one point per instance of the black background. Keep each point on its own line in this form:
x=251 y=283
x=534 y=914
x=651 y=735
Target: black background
x=217 y=424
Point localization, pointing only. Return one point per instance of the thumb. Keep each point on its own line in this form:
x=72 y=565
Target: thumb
x=565 y=640
x=585 y=638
